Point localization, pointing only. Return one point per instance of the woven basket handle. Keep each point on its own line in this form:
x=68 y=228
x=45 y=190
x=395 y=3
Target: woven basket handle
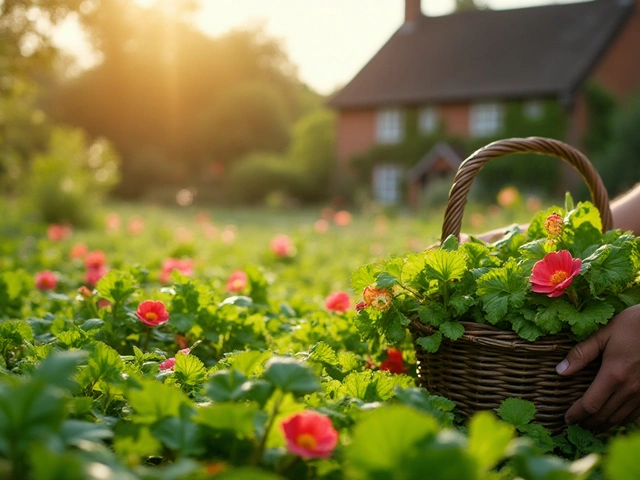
x=544 y=146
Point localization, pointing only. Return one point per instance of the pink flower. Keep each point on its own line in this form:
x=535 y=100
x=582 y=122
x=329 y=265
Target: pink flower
x=95 y=260
x=167 y=364
x=78 y=251
x=93 y=275
x=112 y=222
x=508 y=196
x=135 y=225
x=321 y=226
x=361 y=306
x=152 y=313
x=282 y=246
x=185 y=267
x=237 y=281
x=394 y=362
x=104 y=303
x=554 y=273
x=342 y=218
x=56 y=232
x=309 y=434
x=338 y=302
x=46 y=280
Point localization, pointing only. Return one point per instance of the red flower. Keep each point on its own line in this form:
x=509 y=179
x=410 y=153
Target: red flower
x=46 y=280
x=394 y=362
x=95 y=260
x=79 y=250
x=361 y=306
x=554 y=225
x=237 y=281
x=554 y=273
x=56 y=232
x=342 y=218
x=185 y=267
x=152 y=313
x=85 y=292
x=338 y=302
x=282 y=246
x=310 y=435
x=93 y=275
x=378 y=298
x=168 y=364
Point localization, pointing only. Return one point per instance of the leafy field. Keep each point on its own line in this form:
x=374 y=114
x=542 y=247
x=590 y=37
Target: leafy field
x=258 y=373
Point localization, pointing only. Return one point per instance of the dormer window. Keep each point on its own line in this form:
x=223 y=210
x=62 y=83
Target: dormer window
x=390 y=126
x=486 y=119
x=533 y=109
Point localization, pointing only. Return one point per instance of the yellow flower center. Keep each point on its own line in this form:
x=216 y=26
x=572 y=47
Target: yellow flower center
x=559 y=277
x=306 y=440
x=237 y=284
x=151 y=316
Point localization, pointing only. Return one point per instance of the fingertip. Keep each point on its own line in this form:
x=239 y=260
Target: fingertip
x=562 y=366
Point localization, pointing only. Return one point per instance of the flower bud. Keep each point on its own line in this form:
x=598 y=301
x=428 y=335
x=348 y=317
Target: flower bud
x=554 y=225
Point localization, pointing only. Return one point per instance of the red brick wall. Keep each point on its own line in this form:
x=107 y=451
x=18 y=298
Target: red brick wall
x=455 y=118
x=619 y=68
x=356 y=134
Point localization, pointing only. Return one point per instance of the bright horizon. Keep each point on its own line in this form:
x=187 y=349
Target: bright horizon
x=328 y=41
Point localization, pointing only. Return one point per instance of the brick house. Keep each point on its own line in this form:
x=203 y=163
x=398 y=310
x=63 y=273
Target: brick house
x=457 y=71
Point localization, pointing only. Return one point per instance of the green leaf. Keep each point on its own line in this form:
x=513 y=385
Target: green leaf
x=585 y=212
x=58 y=368
x=477 y=254
x=247 y=473
x=413 y=271
x=189 y=370
x=609 y=266
x=92 y=324
x=533 y=252
x=323 y=353
x=461 y=303
x=568 y=202
x=452 y=330
x=290 y=375
x=488 y=440
x=116 y=286
x=540 y=436
x=551 y=318
x=538 y=467
x=75 y=432
x=104 y=364
x=233 y=417
x=393 y=325
x=517 y=412
x=501 y=289
x=433 y=314
x=588 y=320
x=154 y=401
x=365 y=325
x=364 y=276
x=397 y=439
x=444 y=266
x=430 y=343
x=180 y=433
x=622 y=461
x=249 y=363
x=525 y=328
x=584 y=441
x=386 y=280
x=226 y=385
x=450 y=243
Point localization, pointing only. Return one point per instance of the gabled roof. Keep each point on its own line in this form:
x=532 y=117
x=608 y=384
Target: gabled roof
x=442 y=150
x=488 y=54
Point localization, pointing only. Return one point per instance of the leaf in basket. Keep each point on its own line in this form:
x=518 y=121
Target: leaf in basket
x=517 y=412
x=551 y=317
x=430 y=343
x=461 y=303
x=452 y=330
x=540 y=436
x=413 y=271
x=582 y=241
x=589 y=319
x=386 y=280
x=433 y=314
x=533 y=252
x=364 y=276
x=525 y=328
x=444 y=266
x=450 y=243
x=365 y=325
x=609 y=265
x=585 y=212
x=477 y=255
x=584 y=441
x=501 y=289
x=393 y=324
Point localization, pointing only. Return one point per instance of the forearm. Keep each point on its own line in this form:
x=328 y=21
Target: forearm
x=626 y=211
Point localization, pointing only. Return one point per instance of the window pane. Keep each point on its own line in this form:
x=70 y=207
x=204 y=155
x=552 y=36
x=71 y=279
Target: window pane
x=485 y=119
x=428 y=120
x=390 y=126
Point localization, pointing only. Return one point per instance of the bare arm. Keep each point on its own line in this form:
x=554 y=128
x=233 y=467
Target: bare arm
x=626 y=211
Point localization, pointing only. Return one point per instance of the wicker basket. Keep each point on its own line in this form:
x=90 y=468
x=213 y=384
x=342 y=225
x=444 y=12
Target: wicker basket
x=487 y=365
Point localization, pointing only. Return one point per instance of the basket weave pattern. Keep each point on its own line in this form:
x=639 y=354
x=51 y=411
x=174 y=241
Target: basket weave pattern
x=486 y=365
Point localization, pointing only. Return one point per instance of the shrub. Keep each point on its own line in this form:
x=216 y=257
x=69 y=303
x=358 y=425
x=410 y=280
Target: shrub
x=71 y=177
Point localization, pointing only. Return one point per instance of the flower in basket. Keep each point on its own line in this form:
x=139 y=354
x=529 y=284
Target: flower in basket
x=561 y=275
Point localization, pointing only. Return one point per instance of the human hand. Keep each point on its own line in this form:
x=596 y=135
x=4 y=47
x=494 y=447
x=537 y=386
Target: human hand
x=614 y=396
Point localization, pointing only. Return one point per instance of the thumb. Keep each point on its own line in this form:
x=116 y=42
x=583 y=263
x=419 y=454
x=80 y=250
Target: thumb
x=582 y=354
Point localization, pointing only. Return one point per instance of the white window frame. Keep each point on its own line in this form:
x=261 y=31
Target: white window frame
x=428 y=119
x=386 y=183
x=486 y=119
x=389 y=126
x=533 y=109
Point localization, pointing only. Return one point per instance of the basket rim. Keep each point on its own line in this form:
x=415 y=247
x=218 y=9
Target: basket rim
x=489 y=335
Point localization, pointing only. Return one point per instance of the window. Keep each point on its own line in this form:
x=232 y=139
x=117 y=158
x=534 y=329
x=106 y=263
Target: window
x=390 y=126
x=386 y=183
x=485 y=119
x=427 y=120
x=533 y=109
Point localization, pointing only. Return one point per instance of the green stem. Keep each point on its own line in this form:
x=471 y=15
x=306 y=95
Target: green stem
x=146 y=342
x=259 y=451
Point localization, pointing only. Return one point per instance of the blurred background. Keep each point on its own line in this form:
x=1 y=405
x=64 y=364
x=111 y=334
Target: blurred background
x=288 y=103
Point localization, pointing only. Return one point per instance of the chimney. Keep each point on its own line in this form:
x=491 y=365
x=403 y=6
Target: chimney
x=412 y=10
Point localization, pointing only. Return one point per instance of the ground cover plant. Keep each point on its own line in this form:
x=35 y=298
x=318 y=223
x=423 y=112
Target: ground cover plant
x=187 y=344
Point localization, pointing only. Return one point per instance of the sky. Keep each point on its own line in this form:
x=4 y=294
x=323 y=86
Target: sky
x=329 y=41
